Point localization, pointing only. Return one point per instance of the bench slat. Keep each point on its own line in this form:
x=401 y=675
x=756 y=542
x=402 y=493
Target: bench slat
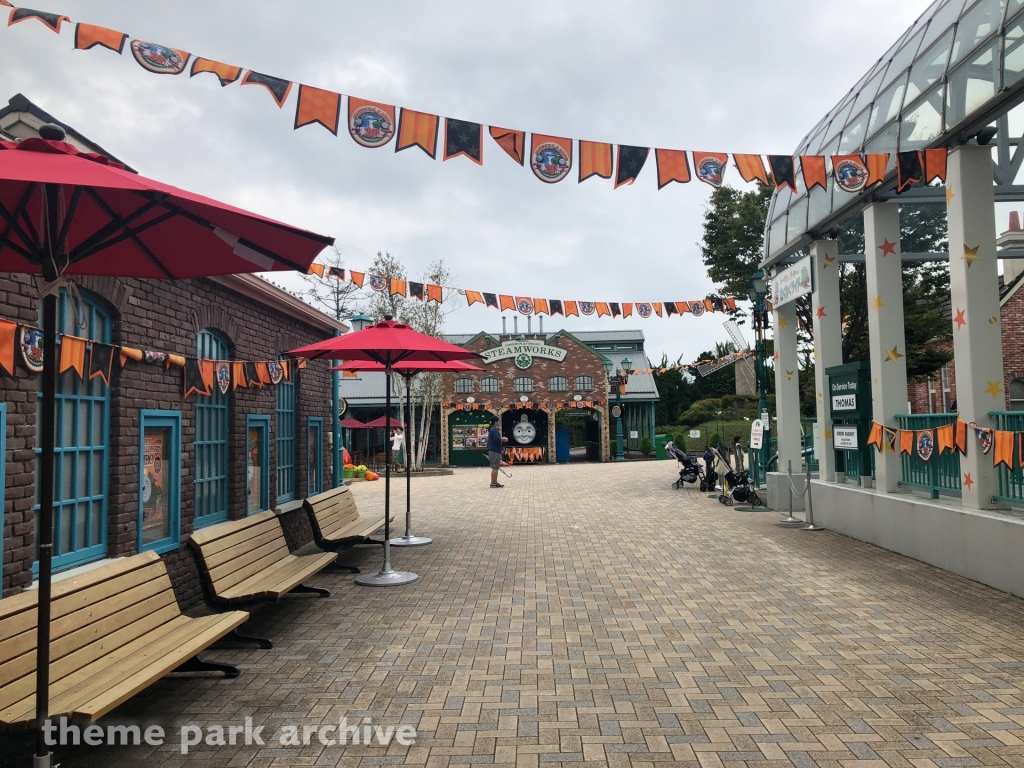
x=284 y=578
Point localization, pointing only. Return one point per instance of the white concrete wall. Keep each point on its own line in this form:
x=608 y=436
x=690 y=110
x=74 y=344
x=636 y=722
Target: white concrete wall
x=983 y=546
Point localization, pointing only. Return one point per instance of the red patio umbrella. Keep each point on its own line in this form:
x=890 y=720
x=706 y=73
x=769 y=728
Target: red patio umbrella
x=387 y=343
x=351 y=423
x=385 y=422
x=64 y=213
x=408 y=370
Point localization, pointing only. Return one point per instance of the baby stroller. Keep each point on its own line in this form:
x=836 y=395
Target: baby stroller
x=691 y=470
x=737 y=486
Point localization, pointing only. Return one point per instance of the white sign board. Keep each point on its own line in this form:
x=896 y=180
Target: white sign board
x=633 y=434
x=756 y=434
x=844 y=402
x=523 y=352
x=694 y=433
x=845 y=438
x=792 y=283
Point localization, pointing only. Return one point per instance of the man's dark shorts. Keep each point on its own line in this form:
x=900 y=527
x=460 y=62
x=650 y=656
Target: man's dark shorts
x=495 y=459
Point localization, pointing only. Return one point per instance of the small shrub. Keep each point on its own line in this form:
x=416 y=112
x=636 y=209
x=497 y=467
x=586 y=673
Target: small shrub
x=680 y=441
x=715 y=440
x=645 y=446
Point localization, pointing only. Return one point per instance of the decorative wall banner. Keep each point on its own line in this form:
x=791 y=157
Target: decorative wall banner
x=792 y=283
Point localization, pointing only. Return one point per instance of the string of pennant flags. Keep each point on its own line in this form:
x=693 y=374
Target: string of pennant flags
x=926 y=443
x=525 y=305
x=91 y=360
x=374 y=125
x=529 y=406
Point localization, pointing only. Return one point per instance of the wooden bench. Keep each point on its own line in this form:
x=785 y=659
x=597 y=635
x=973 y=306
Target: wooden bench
x=337 y=524
x=115 y=630
x=247 y=561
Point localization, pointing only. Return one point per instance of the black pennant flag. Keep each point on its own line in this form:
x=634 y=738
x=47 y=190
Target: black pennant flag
x=463 y=138
x=416 y=290
x=784 y=171
x=277 y=87
x=630 y=162
x=616 y=309
x=670 y=309
x=252 y=375
x=491 y=300
x=555 y=305
x=100 y=362
x=194 y=378
x=909 y=169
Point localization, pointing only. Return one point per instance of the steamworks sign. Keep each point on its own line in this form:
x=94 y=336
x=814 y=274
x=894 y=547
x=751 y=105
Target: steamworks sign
x=522 y=352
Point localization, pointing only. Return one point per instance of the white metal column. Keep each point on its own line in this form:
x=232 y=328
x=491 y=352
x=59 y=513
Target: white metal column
x=888 y=346
x=828 y=347
x=974 y=296
x=787 y=385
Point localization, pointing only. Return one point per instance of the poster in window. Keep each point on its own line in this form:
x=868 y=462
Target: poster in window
x=254 y=471
x=156 y=498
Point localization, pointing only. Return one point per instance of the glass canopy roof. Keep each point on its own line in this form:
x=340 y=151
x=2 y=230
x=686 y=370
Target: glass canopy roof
x=951 y=62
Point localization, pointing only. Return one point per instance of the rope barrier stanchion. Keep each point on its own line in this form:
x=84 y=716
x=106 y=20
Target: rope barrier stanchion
x=810 y=506
x=789 y=472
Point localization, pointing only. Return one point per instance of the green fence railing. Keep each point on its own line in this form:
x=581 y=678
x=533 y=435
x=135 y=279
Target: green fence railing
x=1011 y=480
x=941 y=473
x=807 y=427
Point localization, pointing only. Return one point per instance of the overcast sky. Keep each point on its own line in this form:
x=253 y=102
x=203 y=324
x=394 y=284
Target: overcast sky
x=712 y=75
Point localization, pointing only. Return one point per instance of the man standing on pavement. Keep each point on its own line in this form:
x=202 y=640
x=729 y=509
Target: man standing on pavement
x=494 y=449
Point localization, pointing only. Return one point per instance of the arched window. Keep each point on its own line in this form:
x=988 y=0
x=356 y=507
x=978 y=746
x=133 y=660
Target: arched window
x=584 y=383
x=558 y=384
x=1017 y=395
x=211 y=505
x=286 y=439
x=489 y=385
x=524 y=384
x=463 y=386
x=81 y=451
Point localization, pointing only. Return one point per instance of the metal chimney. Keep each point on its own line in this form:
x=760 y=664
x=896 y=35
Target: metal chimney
x=515 y=324
x=504 y=331
x=529 y=324
x=540 y=322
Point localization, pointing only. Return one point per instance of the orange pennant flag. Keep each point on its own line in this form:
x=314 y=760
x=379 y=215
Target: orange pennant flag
x=226 y=73
x=710 y=167
x=89 y=35
x=238 y=375
x=474 y=297
x=602 y=309
x=357 y=277
x=875 y=436
x=672 y=166
x=8 y=333
x=595 y=160
x=316 y=269
x=206 y=372
x=627 y=309
x=1003 y=452
x=417 y=129
x=944 y=438
x=261 y=370
x=316 y=105
x=506 y=302
x=657 y=307
x=72 y=354
x=751 y=167
x=877 y=162
x=571 y=308
x=907 y=441
x=434 y=293
x=396 y=287
x=813 y=169
x=540 y=307
x=513 y=142
x=129 y=353
x=935 y=165
x=960 y=440
x=370 y=123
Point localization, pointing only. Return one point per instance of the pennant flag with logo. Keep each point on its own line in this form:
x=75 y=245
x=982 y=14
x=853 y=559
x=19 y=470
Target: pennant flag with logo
x=629 y=163
x=550 y=157
x=396 y=287
x=524 y=304
x=89 y=36
x=595 y=160
x=473 y=297
x=238 y=375
x=875 y=435
x=850 y=173
x=935 y=165
x=357 y=278
x=540 y=307
x=1003 y=448
x=318 y=106
x=194 y=379
x=417 y=129
x=506 y=302
x=984 y=437
x=751 y=167
x=672 y=166
x=276 y=87
x=159 y=59
x=960 y=438
x=511 y=142
x=556 y=307
x=72 y=355
x=370 y=124
x=925 y=439
x=415 y=290
x=877 y=163
x=710 y=167
x=434 y=293
x=51 y=21
x=101 y=361
x=944 y=438
x=463 y=138
x=491 y=300
x=571 y=309
x=907 y=441
x=226 y=73
x=813 y=169
x=8 y=334
x=909 y=170
x=783 y=170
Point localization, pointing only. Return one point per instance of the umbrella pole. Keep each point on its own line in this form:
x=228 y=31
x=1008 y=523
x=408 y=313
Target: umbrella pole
x=409 y=540
x=387 y=577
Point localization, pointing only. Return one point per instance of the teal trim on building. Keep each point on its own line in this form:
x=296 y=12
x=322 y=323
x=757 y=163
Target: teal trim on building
x=171 y=479
x=314 y=455
x=257 y=462
x=286 y=440
x=211 y=442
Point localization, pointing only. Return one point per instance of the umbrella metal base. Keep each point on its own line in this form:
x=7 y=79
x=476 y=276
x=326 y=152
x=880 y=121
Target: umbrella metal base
x=410 y=541
x=812 y=528
x=387 y=578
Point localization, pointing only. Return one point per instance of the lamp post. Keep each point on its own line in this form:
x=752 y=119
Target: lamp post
x=757 y=292
x=619 y=382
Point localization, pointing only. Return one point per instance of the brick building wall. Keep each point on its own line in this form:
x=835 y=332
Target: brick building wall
x=579 y=360
x=166 y=317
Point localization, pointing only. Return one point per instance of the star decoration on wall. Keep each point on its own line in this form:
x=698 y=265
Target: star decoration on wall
x=960 y=320
x=971 y=255
x=893 y=355
x=885 y=446
x=820 y=398
x=776 y=356
x=783 y=322
x=815 y=353
x=888 y=249
x=994 y=388
x=828 y=261
x=828 y=434
x=789 y=375
x=820 y=312
x=968 y=480
x=878 y=303
x=949 y=194
x=993 y=320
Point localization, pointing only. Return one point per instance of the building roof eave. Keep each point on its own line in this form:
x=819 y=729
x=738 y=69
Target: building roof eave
x=258 y=289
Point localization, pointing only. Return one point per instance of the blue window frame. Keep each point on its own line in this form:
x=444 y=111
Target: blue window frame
x=3 y=478
x=211 y=479
x=286 y=440
x=257 y=463
x=81 y=450
x=314 y=455
x=159 y=522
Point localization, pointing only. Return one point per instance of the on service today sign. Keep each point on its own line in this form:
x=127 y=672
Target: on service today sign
x=522 y=353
